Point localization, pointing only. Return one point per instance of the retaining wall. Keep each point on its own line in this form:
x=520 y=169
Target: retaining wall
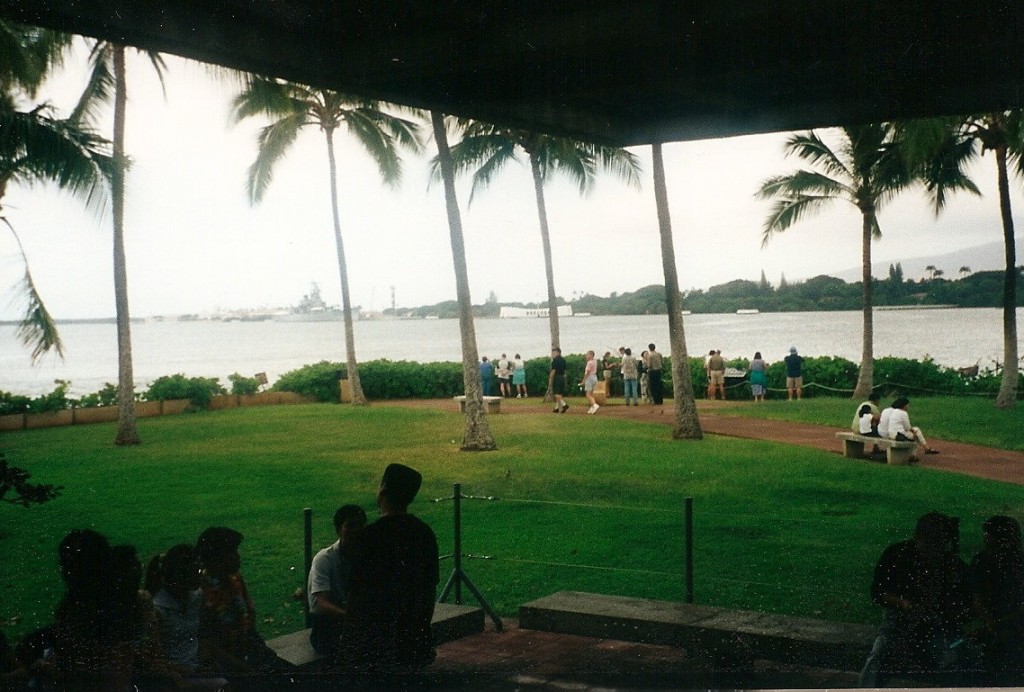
x=144 y=409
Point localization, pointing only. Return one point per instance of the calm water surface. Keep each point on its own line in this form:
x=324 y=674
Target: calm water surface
x=953 y=337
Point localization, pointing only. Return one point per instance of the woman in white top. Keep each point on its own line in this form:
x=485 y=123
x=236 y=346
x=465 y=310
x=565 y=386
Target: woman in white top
x=894 y=424
x=590 y=381
x=519 y=377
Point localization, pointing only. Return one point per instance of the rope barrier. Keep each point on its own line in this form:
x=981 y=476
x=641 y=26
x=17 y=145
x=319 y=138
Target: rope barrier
x=791 y=586
x=591 y=505
x=674 y=575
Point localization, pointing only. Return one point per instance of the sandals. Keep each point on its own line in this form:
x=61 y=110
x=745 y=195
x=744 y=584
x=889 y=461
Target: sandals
x=931 y=451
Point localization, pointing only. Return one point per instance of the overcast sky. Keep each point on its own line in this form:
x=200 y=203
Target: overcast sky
x=195 y=245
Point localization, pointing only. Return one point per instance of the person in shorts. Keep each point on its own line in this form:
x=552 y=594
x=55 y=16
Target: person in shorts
x=589 y=381
x=556 y=380
x=794 y=374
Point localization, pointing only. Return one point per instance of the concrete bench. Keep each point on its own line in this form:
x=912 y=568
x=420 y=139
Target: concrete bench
x=450 y=622
x=767 y=636
x=895 y=452
x=492 y=404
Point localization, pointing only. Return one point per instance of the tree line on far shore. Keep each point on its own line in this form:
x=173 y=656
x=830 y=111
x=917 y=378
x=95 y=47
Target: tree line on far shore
x=981 y=289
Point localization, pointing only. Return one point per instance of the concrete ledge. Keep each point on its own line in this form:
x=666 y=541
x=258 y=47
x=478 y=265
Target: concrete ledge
x=450 y=622
x=768 y=636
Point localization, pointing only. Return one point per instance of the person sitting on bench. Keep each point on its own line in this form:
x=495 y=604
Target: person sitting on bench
x=329 y=574
x=894 y=424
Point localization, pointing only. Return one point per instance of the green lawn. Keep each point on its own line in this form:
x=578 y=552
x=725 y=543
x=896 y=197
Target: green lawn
x=973 y=420
x=585 y=503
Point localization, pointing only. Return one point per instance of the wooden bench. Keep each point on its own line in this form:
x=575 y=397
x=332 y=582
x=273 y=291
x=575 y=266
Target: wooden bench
x=492 y=404
x=895 y=452
x=450 y=622
x=712 y=630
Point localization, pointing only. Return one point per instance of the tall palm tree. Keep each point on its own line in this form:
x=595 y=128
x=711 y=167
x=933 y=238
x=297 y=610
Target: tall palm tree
x=956 y=142
x=292 y=107
x=477 y=435
x=108 y=84
x=36 y=146
x=487 y=149
x=685 y=424
x=865 y=168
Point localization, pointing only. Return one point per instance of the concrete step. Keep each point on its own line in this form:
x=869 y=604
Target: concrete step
x=723 y=634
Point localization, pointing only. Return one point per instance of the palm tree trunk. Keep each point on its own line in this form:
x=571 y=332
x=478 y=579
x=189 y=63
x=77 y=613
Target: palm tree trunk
x=127 y=432
x=549 y=272
x=477 y=435
x=1007 y=396
x=685 y=425
x=866 y=377
x=358 y=398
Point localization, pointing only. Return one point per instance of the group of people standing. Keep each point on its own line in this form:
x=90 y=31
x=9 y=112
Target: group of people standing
x=641 y=377
x=191 y=623
x=510 y=375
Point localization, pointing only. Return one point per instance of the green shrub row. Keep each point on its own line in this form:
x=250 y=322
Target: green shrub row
x=386 y=379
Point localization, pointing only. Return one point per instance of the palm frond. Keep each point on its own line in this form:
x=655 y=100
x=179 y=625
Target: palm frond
x=99 y=90
x=262 y=96
x=804 y=182
x=810 y=147
x=788 y=211
x=492 y=166
x=36 y=147
x=272 y=144
x=37 y=329
x=27 y=54
x=364 y=124
x=567 y=157
x=622 y=163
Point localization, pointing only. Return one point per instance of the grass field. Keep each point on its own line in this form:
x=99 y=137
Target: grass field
x=585 y=503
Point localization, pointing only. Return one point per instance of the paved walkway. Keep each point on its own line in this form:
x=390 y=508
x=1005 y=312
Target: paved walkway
x=973 y=460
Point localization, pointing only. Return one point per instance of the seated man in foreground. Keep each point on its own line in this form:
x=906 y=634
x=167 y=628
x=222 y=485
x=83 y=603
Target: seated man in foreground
x=393 y=585
x=329 y=578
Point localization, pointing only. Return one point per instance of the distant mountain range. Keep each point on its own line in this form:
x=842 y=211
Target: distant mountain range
x=987 y=257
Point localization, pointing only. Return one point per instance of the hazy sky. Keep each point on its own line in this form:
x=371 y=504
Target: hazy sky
x=195 y=245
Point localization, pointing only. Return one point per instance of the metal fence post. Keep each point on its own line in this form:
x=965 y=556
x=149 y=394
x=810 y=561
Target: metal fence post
x=689 y=549
x=457 y=539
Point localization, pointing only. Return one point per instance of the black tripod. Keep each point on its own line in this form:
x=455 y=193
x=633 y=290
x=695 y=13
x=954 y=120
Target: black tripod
x=459 y=576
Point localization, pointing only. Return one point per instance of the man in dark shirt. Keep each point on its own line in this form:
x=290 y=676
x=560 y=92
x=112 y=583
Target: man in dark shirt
x=393 y=585
x=794 y=374
x=556 y=380
x=654 y=375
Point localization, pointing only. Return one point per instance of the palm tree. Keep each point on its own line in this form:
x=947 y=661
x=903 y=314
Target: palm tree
x=487 y=149
x=477 y=434
x=955 y=142
x=866 y=169
x=108 y=83
x=685 y=425
x=931 y=269
x=965 y=270
x=36 y=146
x=292 y=107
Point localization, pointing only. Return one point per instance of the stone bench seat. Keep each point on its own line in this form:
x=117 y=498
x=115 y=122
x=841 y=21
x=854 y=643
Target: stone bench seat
x=492 y=404
x=896 y=452
x=450 y=622
x=767 y=636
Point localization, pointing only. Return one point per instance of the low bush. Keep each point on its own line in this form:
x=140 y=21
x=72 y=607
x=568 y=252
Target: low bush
x=319 y=380
x=198 y=390
x=240 y=384
x=105 y=397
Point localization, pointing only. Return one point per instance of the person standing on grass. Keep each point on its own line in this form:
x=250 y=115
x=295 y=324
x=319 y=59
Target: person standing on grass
x=758 y=376
x=894 y=424
x=519 y=377
x=556 y=380
x=504 y=375
x=589 y=381
x=642 y=371
x=794 y=374
x=628 y=367
x=654 y=362
x=393 y=586
x=327 y=589
x=716 y=375
x=486 y=376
